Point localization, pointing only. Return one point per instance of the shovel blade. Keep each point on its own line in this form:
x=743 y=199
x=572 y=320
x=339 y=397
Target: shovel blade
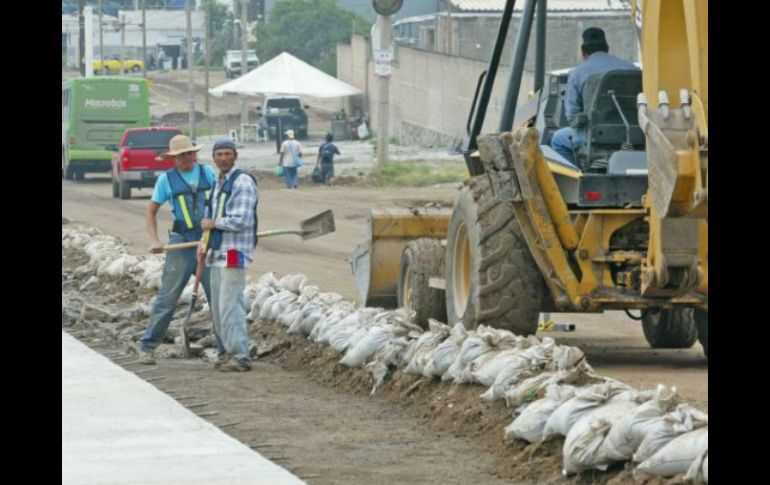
x=318 y=225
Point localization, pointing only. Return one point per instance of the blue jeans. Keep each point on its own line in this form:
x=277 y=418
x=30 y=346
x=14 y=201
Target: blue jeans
x=290 y=174
x=228 y=310
x=567 y=141
x=180 y=265
x=327 y=170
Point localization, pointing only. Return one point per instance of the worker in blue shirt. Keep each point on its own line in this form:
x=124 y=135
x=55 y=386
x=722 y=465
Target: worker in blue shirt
x=596 y=60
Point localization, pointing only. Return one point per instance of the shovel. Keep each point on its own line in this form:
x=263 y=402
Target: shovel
x=316 y=226
x=201 y=257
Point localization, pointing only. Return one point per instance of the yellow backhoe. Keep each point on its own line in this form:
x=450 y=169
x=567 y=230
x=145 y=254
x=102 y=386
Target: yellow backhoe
x=624 y=229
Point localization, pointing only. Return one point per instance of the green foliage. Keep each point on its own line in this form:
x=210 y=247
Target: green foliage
x=308 y=30
x=420 y=174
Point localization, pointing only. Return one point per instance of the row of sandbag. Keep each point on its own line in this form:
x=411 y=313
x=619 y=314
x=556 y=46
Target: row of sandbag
x=554 y=390
x=603 y=422
x=108 y=256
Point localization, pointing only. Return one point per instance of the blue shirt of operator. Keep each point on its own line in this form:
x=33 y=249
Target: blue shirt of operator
x=162 y=192
x=596 y=63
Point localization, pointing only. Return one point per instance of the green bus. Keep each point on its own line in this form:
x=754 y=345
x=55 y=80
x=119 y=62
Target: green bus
x=94 y=114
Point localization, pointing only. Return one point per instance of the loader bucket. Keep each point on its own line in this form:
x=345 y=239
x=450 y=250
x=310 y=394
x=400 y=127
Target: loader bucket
x=375 y=263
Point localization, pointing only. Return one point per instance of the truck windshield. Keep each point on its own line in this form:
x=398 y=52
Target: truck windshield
x=284 y=103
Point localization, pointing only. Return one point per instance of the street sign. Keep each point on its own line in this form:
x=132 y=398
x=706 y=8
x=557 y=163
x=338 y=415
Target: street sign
x=382 y=62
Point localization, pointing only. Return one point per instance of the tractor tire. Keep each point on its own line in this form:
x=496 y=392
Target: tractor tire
x=420 y=260
x=80 y=174
x=491 y=277
x=135 y=68
x=69 y=172
x=124 y=190
x=670 y=328
x=702 y=322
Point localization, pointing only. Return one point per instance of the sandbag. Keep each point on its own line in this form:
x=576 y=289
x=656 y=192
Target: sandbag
x=529 y=425
x=677 y=456
x=582 y=446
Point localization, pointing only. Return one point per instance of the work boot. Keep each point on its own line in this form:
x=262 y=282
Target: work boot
x=233 y=366
x=221 y=359
x=146 y=357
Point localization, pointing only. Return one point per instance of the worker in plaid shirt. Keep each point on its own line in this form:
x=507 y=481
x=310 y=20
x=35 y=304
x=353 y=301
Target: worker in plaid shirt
x=232 y=219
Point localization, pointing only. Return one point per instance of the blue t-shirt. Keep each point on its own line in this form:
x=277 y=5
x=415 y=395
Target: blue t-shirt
x=162 y=192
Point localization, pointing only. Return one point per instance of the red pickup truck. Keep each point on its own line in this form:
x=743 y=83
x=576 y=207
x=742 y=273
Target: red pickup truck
x=137 y=161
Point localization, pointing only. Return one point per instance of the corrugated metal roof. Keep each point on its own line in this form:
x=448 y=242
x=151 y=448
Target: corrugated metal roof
x=553 y=5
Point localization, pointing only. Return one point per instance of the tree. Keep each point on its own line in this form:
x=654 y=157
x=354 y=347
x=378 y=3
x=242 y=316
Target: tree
x=309 y=30
x=221 y=30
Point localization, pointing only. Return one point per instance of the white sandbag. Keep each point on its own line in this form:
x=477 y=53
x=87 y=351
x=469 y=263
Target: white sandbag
x=662 y=430
x=566 y=357
x=482 y=361
x=499 y=339
x=472 y=347
x=534 y=387
x=348 y=324
x=526 y=391
x=586 y=399
x=276 y=304
x=517 y=370
x=529 y=425
x=389 y=356
x=677 y=456
x=290 y=314
x=259 y=301
x=445 y=353
x=292 y=282
x=309 y=293
x=121 y=266
x=339 y=336
x=334 y=315
x=581 y=450
x=268 y=280
x=307 y=310
x=375 y=338
x=420 y=352
x=626 y=435
x=699 y=470
x=487 y=373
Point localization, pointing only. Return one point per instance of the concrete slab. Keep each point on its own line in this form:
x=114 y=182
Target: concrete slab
x=119 y=429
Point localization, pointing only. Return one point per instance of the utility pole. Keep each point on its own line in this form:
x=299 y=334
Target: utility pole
x=244 y=60
x=101 y=38
x=449 y=27
x=81 y=37
x=190 y=67
x=208 y=57
x=88 y=59
x=144 y=40
x=122 y=24
x=383 y=97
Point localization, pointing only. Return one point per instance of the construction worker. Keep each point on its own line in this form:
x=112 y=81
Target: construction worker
x=596 y=60
x=232 y=219
x=185 y=188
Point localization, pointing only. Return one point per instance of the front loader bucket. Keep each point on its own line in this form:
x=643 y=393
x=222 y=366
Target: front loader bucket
x=375 y=263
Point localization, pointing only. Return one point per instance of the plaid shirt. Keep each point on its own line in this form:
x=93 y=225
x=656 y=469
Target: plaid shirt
x=239 y=219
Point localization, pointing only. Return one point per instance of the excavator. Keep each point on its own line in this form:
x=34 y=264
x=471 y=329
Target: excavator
x=624 y=228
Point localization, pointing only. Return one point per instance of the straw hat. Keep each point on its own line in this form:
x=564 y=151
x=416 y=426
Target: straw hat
x=181 y=144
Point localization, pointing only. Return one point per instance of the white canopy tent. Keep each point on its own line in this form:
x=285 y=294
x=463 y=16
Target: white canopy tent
x=285 y=74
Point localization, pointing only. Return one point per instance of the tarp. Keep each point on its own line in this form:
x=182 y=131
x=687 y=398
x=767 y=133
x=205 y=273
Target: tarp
x=285 y=74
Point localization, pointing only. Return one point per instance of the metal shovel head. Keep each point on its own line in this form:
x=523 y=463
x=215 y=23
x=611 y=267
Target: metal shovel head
x=318 y=225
